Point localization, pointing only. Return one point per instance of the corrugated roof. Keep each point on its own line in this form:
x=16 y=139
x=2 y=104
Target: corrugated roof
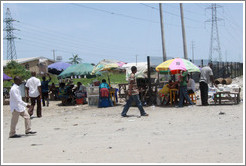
x=24 y=60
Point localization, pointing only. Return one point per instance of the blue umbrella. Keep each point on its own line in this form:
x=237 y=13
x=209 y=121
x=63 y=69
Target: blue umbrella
x=6 y=77
x=58 y=67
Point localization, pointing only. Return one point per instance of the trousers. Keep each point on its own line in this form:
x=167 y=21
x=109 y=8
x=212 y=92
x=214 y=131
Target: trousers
x=14 y=120
x=129 y=103
x=204 y=92
x=39 y=109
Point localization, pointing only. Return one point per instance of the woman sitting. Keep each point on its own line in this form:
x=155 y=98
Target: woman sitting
x=80 y=92
x=54 y=92
x=191 y=86
x=165 y=91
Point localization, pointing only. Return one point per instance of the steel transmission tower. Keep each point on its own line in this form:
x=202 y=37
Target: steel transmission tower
x=214 y=39
x=11 y=52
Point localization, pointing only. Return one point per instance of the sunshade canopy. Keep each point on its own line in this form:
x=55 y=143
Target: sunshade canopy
x=175 y=65
x=58 y=67
x=6 y=77
x=81 y=69
x=106 y=65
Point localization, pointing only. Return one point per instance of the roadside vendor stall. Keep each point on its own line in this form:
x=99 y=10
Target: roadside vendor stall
x=175 y=66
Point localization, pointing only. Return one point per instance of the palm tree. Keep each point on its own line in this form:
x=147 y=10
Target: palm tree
x=75 y=59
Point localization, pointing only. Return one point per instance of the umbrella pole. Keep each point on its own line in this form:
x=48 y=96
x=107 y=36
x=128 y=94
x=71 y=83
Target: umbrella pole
x=108 y=79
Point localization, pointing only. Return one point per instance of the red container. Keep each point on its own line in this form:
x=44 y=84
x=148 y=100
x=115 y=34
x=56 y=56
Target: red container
x=96 y=83
x=80 y=101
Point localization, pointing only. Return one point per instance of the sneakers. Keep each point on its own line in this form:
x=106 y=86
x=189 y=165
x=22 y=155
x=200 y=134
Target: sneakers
x=145 y=114
x=125 y=116
x=191 y=105
x=31 y=132
x=15 y=136
x=129 y=116
x=176 y=106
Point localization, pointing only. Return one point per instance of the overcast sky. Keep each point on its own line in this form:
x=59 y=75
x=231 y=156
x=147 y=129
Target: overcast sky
x=123 y=31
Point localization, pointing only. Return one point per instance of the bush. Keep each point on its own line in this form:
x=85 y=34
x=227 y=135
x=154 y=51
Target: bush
x=13 y=69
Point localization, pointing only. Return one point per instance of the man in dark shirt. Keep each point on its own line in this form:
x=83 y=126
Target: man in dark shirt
x=45 y=89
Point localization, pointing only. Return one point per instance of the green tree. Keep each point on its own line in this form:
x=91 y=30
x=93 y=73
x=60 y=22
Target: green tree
x=13 y=69
x=75 y=59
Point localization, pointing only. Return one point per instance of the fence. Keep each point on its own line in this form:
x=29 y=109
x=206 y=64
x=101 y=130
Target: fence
x=227 y=69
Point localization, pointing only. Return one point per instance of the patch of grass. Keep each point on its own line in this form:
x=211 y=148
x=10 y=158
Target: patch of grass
x=115 y=78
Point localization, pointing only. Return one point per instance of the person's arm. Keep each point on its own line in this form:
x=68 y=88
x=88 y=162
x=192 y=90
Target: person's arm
x=39 y=89
x=27 y=92
x=49 y=77
x=130 y=88
x=212 y=80
x=211 y=75
x=40 y=92
x=14 y=96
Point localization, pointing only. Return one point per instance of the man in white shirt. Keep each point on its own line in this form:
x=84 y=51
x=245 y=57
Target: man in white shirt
x=18 y=108
x=33 y=86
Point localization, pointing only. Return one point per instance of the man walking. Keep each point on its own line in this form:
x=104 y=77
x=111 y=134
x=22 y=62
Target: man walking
x=205 y=78
x=133 y=95
x=17 y=107
x=33 y=86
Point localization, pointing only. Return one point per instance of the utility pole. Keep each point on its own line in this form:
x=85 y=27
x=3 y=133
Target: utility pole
x=162 y=35
x=192 y=46
x=183 y=31
x=136 y=60
x=226 y=55
x=54 y=56
x=214 y=32
x=11 y=51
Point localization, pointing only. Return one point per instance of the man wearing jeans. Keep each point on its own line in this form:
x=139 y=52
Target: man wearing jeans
x=133 y=95
x=33 y=86
x=183 y=94
x=18 y=108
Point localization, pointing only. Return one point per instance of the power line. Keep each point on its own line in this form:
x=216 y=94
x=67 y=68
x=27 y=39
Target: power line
x=114 y=13
x=170 y=13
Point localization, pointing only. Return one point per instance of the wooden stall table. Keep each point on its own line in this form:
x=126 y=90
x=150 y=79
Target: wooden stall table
x=227 y=96
x=172 y=95
x=112 y=94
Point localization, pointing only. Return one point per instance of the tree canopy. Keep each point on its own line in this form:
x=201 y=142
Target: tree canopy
x=13 y=69
x=75 y=59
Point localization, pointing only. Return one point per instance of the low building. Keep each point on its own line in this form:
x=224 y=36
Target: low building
x=36 y=64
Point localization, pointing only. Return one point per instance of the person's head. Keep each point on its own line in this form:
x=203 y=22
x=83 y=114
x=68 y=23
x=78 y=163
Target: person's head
x=103 y=81
x=33 y=73
x=210 y=64
x=17 y=80
x=78 y=84
x=44 y=78
x=134 y=69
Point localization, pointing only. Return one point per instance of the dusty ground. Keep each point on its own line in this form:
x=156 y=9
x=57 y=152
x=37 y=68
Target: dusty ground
x=83 y=134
